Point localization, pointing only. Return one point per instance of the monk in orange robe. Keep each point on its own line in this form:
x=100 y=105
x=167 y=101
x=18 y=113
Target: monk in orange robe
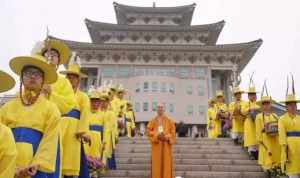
x=162 y=134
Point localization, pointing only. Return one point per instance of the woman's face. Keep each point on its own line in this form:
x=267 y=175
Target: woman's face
x=52 y=56
x=32 y=78
x=95 y=104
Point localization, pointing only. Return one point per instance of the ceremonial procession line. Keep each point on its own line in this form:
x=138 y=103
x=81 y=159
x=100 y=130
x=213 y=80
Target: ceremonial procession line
x=53 y=129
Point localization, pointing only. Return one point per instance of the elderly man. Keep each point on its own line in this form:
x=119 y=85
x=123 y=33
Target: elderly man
x=161 y=133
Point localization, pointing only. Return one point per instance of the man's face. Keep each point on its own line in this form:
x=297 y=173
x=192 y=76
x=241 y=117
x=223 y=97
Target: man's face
x=32 y=78
x=160 y=110
x=95 y=104
x=74 y=80
x=291 y=107
x=52 y=56
x=266 y=106
x=220 y=99
x=252 y=96
x=238 y=96
x=121 y=95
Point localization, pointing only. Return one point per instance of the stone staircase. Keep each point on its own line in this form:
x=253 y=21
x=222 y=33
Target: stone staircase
x=194 y=158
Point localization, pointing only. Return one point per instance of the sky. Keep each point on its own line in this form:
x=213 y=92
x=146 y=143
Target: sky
x=277 y=22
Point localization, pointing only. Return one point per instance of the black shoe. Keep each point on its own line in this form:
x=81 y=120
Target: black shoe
x=236 y=141
x=252 y=155
x=256 y=155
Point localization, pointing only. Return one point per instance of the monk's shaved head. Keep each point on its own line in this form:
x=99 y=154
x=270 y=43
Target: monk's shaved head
x=160 y=109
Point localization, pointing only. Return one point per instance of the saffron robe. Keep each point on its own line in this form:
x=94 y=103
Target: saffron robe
x=161 y=159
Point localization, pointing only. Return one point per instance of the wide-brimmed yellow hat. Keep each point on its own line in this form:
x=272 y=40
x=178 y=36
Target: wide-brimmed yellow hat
x=104 y=96
x=94 y=95
x=251 y=90
x=290 y=98
x=18 y=63
x=211 y=101
x=7 y=82
x=219 y=93
x=61 y=47
x=237 y=90
x=74 y=69
x=264 y=99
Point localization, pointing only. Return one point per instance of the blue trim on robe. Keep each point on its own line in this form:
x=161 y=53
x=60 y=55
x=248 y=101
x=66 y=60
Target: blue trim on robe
x=293 y=134
x=84 y=169
x=111 y=162
x=33 y=137
x=98 y=128
x=74 y=113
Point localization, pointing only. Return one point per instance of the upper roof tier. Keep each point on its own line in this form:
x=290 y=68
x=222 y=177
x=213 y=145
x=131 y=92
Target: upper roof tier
x=133 y=15
x=141 y=34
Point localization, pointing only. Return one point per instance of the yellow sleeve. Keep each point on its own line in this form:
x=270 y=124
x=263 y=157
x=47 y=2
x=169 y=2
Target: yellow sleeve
x=245 y=108
x=282 y=131
x=8 y=153
x=63 y=95
x=45 y=156
x=84 y=104
x=259 y=126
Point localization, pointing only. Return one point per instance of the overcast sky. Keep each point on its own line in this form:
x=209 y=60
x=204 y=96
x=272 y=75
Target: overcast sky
x=277 y=22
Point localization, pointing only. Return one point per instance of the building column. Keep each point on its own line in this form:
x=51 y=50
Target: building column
x=210 y=92
x=99 y=77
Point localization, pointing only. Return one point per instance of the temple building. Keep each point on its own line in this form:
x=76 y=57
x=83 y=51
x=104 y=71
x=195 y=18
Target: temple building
x=159 y=57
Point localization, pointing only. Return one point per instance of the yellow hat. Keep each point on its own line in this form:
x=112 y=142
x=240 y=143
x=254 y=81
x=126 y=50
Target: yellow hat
x=104 y=96
x=18 y=63
x=251 y=90
x=237 y=90
x=74 y=69
x=7 y=82
x=94 y=95
x=211 y=101
x=61 y=47
x=265 y=99
x=290 y=98
x=219 y=93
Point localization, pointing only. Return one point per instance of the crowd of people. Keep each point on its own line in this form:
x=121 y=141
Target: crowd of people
x=53 y=129
x=271 y=139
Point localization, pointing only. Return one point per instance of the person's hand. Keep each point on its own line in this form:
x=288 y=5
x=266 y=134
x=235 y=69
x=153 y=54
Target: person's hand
x=32 y=170
x=20 y=172
x=161 y=136
x=79 y=135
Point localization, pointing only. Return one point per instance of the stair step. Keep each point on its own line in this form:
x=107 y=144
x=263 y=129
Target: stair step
x=190 y=161
x=187 y=156
x=184 y=174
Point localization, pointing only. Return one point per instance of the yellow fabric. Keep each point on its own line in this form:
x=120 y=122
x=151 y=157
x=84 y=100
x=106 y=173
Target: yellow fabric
x=288 y=124
x=267 y=143
x=237 y=120
x=117 y=103
x=95 y=149
x=131 y=124
x=218 y=123
x=110 y=131
x=210 y=115
x=62 y=95
x=74 y=69
x=8 y=152
x=42 y=116
x=249 y=124
x=70 y=126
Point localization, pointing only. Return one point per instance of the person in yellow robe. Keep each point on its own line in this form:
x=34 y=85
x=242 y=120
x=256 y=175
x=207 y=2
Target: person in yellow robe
x=236 y=115
x=130 y=120
x=250 y=110
x=289 y=136
x=8 y=149
x=75 y=126
x=110 y=132
x=59 y=92
x=33 y=119
x=269 y=148
x=210 y=115
x=222 y=121
x=161 y=132
x=94 y=150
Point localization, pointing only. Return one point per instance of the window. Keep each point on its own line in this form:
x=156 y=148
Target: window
x=137 y=87
x=172 y=88
x=171 y=108
x=145 y=106
x=107 y=71
x=202 y=110
x=137 y=107
x=200 y=89
x=146 y=86
x=184 y=72
x=154 y=86
x=189 y=90
x=163 y=87
x=190 y=110
x=124 y=71
x=200 y=72
x=154 y=105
